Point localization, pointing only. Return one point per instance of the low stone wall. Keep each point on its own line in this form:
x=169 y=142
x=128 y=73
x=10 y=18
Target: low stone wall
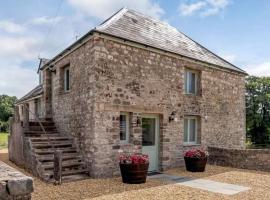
x=13 y=184
x=254 y=159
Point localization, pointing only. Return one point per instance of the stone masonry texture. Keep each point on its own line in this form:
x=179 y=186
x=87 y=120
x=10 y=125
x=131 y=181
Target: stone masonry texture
x=255 y=159
x=108 y=77
x=13 y=184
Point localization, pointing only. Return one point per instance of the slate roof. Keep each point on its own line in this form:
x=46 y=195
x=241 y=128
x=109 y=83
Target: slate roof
x=33 y=93
x=134 y=26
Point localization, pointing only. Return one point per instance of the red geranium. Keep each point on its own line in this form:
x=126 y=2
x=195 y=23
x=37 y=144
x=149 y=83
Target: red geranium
x=196 y=153
x=134 y=158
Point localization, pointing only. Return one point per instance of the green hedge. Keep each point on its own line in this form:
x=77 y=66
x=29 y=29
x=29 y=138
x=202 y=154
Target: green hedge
x=4 y=126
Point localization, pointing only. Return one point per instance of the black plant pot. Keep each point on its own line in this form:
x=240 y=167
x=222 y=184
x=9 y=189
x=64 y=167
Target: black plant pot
x=134 y=173
x=195 y=164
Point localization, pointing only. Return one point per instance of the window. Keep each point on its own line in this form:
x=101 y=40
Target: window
x=191 y=79
x=66 y=79
x=124 y=127
x=190 y=130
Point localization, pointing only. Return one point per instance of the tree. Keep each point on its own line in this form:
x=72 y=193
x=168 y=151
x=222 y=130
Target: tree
x=258 y=109
x=6 y=110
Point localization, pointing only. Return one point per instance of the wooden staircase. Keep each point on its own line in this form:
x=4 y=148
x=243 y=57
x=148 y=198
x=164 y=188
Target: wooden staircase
x=43 y=146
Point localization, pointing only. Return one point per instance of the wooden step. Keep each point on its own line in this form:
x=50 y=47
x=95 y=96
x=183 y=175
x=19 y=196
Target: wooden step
x=38 y=128
x=44 y=123
x=40 y=145
x=52 y=150
x=68 y=172
x=49 y=138
x=32 y=135
x=50 y=157
x=65 y=164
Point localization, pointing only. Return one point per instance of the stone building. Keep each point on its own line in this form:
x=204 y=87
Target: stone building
x=138 y=84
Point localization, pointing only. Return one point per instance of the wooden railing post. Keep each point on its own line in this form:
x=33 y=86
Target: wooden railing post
x=58 y=167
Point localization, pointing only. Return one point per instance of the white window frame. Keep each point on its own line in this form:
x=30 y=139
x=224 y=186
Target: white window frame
x=65 y=79
x=127 y=128
x=186 y=82
x=188 y=133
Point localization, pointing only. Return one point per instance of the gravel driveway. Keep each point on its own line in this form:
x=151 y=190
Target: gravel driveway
x=109 y=189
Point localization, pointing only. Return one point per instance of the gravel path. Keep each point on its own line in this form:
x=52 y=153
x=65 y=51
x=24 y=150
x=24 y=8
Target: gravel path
x=89 y=188
x=110 y=189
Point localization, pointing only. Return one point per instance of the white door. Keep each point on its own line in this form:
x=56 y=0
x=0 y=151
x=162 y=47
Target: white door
x=150 y=139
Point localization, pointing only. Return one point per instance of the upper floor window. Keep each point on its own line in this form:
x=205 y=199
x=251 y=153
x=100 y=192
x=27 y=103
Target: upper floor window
x=191 y=130
x=66 y=79
x=191 y=82
x=124 y=127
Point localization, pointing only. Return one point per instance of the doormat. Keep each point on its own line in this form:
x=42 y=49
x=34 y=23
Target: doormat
x=153 y=173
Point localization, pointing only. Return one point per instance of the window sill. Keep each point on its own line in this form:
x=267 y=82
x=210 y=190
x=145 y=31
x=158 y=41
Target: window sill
x=192 y=95
x=64 y=92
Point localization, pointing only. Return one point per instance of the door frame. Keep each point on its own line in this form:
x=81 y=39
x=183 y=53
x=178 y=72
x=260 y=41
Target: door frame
x=157 y=135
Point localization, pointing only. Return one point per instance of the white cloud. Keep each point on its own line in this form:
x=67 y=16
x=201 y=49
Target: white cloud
x=104 y=8
x=11 y=27
x=14 y=48
x=262 y=69
x=16 y=81
x=203 y=7
x=45 y=20
x=187 y=10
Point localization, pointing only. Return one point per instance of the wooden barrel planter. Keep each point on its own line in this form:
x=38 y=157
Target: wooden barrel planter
x=195 y=164
x=134 y=173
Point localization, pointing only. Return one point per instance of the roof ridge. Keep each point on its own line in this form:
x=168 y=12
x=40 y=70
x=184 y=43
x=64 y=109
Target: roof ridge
x=112 y=18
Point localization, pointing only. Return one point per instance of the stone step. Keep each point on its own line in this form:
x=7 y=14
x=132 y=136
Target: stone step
x=50 y=157
x=52 y=150
x=41 y=145
x=65 y=164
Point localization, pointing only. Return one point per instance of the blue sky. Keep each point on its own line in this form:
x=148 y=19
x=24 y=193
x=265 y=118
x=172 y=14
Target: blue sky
x=237 y=30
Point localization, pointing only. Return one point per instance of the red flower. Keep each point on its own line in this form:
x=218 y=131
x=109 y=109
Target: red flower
x=196 y=153
x=134 y=158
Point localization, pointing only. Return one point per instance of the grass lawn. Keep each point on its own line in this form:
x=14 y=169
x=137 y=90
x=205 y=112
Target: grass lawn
x=3 y=140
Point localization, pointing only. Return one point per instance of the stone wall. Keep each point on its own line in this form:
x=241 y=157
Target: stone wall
x=255 y=159
x=109 y=77
x=135 y=80
x=13 y=184
x=15 y=140
x=73 y=110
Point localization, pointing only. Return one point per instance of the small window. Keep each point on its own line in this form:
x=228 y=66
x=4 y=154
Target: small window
x=191 y=81
x=66 y=79
x=124 y=127
x=190 y=130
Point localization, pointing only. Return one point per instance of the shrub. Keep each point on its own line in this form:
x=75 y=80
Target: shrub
x=4 y=126
x=196 y=153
